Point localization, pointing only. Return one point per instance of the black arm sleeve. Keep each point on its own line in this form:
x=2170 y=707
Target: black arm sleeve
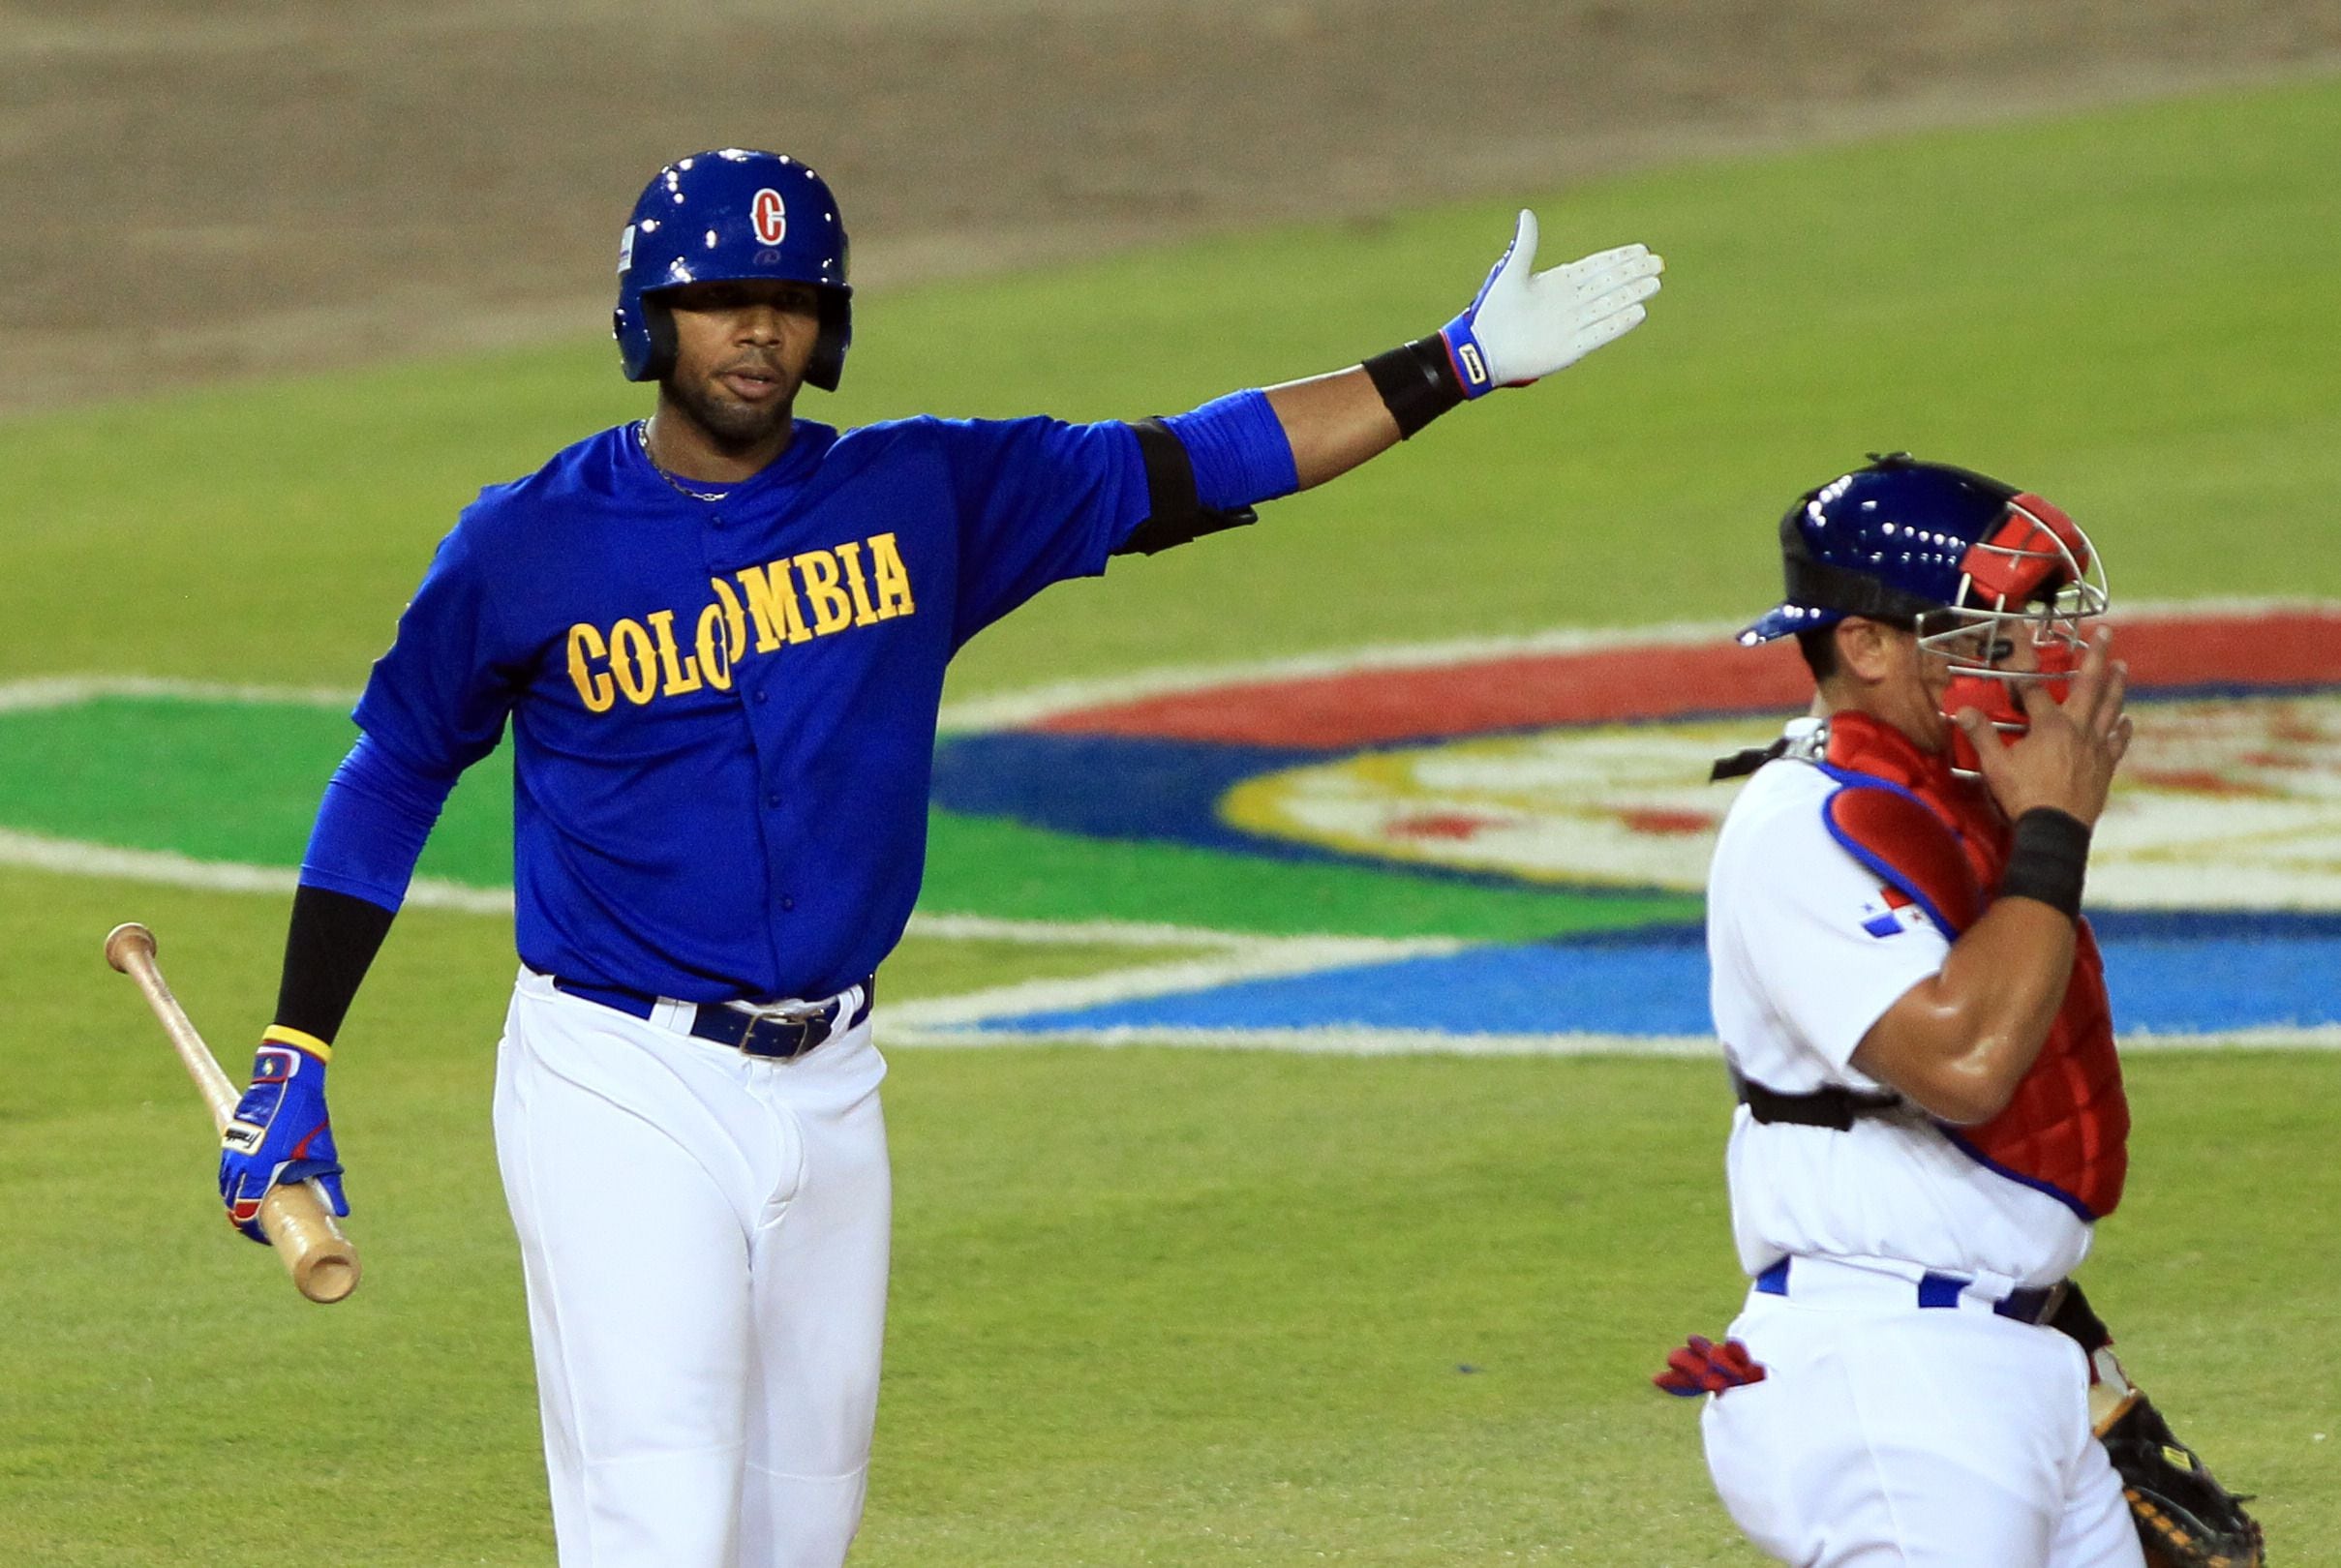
x=332 y=941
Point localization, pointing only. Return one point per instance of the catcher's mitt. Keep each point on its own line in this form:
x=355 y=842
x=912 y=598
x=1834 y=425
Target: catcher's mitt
x=2185 y=1518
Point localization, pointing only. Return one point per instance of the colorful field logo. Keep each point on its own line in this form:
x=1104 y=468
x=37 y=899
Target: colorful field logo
x=2226 y=804
x=1579 y=768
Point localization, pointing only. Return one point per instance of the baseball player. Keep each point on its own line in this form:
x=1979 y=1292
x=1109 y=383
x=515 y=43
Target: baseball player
x=1931 y=1117
x=718 y=636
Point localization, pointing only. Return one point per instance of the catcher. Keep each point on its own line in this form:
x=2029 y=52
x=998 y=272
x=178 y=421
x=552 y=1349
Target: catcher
x=1932 y=1118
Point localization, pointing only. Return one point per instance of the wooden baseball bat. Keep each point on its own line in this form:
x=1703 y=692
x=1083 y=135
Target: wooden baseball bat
x=296 y=1217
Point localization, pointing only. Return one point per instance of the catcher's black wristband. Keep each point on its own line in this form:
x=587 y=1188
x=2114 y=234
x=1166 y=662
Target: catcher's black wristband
x=2050 y=857
x=1418 y=383
x=332 y=940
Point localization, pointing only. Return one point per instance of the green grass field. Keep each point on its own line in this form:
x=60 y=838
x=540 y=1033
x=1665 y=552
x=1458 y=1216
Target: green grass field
x=1157 y=1305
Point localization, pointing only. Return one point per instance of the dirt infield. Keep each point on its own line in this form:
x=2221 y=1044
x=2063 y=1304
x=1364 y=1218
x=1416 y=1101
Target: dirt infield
x=202 y=191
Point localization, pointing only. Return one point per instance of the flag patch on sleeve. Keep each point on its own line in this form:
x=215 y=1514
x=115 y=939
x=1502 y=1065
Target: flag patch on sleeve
x=1892 y=913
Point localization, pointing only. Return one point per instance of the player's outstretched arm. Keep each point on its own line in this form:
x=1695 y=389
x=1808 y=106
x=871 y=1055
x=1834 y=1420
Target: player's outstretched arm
x=1521 y=326
x=1251 y=446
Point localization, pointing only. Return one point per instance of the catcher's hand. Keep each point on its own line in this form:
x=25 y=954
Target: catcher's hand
x=2185 y=1518
x=1525 y=323
x=280 y=1131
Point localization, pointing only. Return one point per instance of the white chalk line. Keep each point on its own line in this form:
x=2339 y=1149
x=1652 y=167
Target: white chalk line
x=1253 y=958
x=1328 y=1040
x=1340 y=1040
x=171 y=869
x=70 y=691
x=76 y=857
x=1234 y=954
x=1072 y=933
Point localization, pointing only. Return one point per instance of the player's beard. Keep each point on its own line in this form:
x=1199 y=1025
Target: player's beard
x=729 y=423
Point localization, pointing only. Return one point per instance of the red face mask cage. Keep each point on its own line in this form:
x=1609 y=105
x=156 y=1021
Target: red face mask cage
x=2030 y=589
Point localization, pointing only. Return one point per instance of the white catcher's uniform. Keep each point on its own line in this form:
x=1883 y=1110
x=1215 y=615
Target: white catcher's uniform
x=1886 y=1432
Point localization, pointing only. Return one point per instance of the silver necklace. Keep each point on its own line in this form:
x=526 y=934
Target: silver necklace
x=642 y=438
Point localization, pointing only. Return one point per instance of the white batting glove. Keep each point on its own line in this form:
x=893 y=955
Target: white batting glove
x=1525 y=324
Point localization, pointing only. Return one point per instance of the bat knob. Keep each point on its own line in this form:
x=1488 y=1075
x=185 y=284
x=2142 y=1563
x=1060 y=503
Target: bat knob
x=126 y=939
x=299 y=1221
x=327 y=1279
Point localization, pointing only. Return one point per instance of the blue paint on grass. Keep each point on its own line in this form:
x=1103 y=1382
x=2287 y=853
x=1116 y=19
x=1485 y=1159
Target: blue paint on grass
x=2272 y=977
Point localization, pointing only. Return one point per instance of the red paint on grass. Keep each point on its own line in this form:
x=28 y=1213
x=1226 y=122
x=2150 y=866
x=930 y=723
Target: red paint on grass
x=1668 y=824
x=1369 y=707
x=1447 y=825
x=2199 y=781
x=2274 y=647
x=1362 y=708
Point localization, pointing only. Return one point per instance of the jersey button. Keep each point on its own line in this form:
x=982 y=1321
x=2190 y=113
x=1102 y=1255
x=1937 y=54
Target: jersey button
x=788 y=903
x=773 y=798
x=716 y=520
x=764 y=696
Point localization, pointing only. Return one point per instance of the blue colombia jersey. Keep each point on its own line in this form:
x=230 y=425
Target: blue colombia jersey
x=723 y=712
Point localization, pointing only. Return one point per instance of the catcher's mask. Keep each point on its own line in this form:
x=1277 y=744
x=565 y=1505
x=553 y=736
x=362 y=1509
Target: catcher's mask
x=724 y=217
x=1998 y=581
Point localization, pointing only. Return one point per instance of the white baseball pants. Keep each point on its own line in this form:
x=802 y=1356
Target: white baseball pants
x=1899 y=1436
x=703 y=1236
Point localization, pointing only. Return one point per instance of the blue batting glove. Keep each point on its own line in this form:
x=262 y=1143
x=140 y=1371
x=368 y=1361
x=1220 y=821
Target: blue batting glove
x=1524 y=323
x=280 y=1131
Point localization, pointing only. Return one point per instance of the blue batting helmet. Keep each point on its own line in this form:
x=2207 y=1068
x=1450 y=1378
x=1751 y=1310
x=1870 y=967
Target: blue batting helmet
x=1902 y=537
x=727 y=216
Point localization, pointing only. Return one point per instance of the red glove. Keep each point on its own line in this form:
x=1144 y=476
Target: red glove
x=1703 y=1367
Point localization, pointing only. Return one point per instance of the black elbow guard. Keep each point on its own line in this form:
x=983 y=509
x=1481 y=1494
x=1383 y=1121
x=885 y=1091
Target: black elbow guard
x=1177 y=513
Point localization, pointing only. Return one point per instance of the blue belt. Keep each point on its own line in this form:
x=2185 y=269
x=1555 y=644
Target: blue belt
x=751 y=1034
x=2031 y=1305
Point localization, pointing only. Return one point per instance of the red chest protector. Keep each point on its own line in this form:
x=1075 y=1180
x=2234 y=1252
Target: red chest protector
x=1941 y=841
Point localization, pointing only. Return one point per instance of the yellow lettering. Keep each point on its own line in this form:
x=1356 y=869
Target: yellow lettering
x=772 y=601
x=735 y=622
x=894 y=577
x=819 y=570
x=593 y=687
x=864 y=614
x=633 y=661
x=681 y=670
x=715 y=656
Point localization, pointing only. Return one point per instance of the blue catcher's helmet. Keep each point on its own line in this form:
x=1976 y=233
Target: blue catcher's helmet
x=1901 y=538
x=725 y=216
